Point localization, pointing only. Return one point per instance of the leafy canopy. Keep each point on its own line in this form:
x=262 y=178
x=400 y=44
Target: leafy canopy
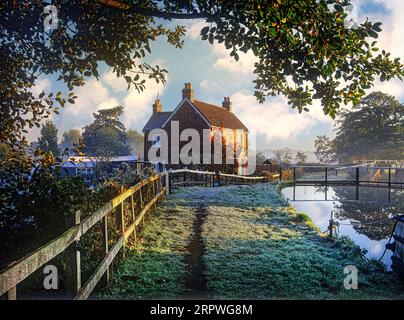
x=324 y=149
x=88 y=33
x=304 y=49
x=71 y=138
x=48 y=141
x=107 y=135
x=374 y=130
x=136 y=140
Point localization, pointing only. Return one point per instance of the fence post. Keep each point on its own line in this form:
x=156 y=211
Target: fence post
x=133 y=217
x=132 y=207
x=12 y=294
x=389 y=177
x=154 y=193
x=141 y=203
x=280 y=173
x=105 y=244
x=168 y=191
x=73 y=265
x=326 y=175
x=357 y=175
x=294 y=174
x=120 y=221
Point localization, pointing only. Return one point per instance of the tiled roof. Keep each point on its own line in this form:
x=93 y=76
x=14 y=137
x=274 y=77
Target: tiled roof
x=156 y=120
x=216 y=116
x=219 y=116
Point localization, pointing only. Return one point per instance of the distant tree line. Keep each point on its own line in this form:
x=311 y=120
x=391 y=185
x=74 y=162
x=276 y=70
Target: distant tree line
x=372 y=130
x=106 y=136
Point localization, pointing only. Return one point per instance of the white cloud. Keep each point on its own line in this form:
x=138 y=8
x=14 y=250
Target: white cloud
x=138 y=106
x=390 y=39
x=116 y=84
x=91 y=97
x=213 y=87
x=243 y=67
x=274 y=119
x=42 y=84
x=194 y=28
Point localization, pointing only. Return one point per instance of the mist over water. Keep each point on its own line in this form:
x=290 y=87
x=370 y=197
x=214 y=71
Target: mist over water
x=362 y=212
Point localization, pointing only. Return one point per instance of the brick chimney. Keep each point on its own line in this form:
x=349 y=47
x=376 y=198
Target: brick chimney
x=188 y=92
x=227 y=103
x=157 y=107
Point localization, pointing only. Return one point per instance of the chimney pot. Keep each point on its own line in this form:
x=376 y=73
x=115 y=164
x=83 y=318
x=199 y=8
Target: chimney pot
x=157 y=107
x=227 y=104
x=188 y=92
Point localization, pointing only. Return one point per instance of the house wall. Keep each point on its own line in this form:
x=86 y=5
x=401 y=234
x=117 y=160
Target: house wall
x=188 y=117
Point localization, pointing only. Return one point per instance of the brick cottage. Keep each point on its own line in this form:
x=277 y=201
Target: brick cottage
x=195 y=114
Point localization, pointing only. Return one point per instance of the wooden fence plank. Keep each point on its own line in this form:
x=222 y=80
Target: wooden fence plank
x=106 y=245
x=85 y=292
x=141 y=214
x=12 y=294
x=91 y=283
x=21 y=269
x=73 y=263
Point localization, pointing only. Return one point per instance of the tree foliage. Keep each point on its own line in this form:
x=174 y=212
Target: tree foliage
x=324 y=149
x=48 y=141
x=88 y=33
x=136 y=140
x=71 y=138
x=283 y=157
x=300 y=157
x=305 y=50
x=106 y=136
x=373 y=130
x=305 y=42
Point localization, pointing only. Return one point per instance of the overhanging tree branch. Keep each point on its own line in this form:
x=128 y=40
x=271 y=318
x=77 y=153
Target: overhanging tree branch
x=151 y=12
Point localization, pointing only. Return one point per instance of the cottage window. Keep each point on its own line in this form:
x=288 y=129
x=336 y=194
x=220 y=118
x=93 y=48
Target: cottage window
x=240 y=139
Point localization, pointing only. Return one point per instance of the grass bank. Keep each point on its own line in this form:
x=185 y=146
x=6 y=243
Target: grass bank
x=154 y=267
x=256 y=246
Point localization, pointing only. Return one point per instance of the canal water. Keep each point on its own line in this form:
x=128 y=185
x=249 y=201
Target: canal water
x=361 y=211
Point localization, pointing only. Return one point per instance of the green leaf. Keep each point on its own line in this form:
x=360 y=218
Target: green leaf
x=204 y=31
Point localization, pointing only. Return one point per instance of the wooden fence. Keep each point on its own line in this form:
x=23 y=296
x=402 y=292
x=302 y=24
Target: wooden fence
x=187 y=177
x=19 y=270
x=351 y=175
x=161 y=184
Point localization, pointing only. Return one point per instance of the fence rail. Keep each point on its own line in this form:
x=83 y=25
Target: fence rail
x=19 y=270
x=356 y=175
x=188 y=177
x=16 y=272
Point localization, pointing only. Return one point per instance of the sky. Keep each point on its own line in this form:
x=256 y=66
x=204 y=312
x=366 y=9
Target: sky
x=214 y=74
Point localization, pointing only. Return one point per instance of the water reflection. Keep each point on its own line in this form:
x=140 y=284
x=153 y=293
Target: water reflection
x=362 y=212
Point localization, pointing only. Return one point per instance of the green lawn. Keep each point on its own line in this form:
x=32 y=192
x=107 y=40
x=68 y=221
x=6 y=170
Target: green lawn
x=256 y=246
